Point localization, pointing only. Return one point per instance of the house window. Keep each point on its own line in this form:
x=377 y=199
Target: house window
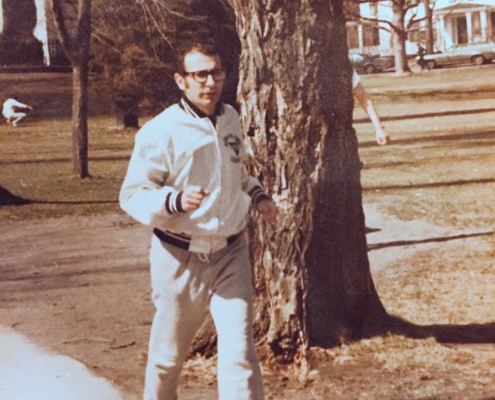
x=371 y=36
x=352 y=37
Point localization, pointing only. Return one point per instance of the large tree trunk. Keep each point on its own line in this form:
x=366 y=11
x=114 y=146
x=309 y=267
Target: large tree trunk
x=429 y=28
x=399 y=37
x=313 y=281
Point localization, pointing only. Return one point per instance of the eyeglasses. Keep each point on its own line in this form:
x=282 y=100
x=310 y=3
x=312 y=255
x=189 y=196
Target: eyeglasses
x=202 y=76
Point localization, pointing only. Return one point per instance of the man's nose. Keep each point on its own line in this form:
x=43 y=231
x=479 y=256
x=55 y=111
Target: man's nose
x=209 y=80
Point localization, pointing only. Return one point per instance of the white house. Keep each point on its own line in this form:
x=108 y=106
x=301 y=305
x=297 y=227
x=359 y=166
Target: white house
x=370 y=37
x=466 y=21
x=454 y=21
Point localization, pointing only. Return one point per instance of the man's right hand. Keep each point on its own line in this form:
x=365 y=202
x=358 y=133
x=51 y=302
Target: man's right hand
x=382 y=137
x=192 y=196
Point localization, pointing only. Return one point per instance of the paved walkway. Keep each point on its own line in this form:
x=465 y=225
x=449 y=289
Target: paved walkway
x=29 y=373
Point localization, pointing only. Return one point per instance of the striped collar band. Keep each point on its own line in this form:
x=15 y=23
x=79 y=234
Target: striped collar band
x=194 y=111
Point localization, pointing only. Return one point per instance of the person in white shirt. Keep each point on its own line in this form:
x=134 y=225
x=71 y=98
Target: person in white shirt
x=13 y=110
x=382 y=136
x=187 y=180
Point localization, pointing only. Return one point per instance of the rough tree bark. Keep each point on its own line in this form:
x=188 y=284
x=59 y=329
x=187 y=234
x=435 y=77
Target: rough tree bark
x=399 y=35
x=73 y=24
x=430 y=39
x=312 y=273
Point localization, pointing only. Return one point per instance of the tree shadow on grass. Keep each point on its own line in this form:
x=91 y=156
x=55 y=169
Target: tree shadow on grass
x=63 y=160
x=9 y=199
x=443 y=333
x=74 y=202
x=445 y=113
x=380 y=323
x=462 y=136
x=377 y=246
x=430 y=185
x=447 y=397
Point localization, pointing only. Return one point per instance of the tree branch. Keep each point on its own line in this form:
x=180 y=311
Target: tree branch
x=169 y=10
x=149 y=13
x=61 y=27
x=383 y=21
x=104 y=40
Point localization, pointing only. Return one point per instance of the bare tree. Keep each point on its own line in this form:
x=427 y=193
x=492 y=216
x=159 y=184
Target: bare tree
x=73 y=24
x=398 y=26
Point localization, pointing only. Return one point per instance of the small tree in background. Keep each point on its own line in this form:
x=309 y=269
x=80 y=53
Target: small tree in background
x=73 y=24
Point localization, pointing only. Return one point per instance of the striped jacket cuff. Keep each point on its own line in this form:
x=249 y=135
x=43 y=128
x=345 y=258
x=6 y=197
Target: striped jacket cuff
x=173 y=202
x=257 y=194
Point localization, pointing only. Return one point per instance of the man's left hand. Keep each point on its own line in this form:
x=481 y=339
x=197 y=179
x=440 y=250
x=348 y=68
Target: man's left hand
x=268 y=211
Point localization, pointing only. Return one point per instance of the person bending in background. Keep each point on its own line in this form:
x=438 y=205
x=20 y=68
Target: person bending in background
x=13 y=110
x=382 y=137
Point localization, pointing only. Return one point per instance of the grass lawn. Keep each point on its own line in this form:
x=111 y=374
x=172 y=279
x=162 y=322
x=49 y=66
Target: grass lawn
x=437 y=177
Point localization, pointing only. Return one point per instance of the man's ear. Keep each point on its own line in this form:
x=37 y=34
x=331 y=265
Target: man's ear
x=180 y=81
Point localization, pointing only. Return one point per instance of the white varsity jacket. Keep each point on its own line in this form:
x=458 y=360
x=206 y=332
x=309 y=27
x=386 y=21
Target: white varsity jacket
x=180 y=148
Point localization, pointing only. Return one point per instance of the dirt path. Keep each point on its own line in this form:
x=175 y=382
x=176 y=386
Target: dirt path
x=78 y=286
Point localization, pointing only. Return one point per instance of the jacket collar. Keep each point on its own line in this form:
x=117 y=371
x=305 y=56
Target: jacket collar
x=194 y=111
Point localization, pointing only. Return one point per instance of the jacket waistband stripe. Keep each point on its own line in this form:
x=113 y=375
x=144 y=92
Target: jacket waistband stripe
x=183 y=241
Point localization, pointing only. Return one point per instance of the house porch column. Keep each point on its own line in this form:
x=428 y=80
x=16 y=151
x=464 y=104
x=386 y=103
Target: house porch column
x=469 y=25
x=484 y=25
x=360 y=38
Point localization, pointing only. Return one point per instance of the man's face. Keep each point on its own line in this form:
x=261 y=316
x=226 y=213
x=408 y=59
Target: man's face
x=204 y=95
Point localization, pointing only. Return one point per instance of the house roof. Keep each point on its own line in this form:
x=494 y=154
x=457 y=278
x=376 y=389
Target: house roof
x=451 y=5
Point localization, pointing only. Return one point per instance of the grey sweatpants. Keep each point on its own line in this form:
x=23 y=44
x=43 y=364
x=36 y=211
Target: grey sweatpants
x=184 y=288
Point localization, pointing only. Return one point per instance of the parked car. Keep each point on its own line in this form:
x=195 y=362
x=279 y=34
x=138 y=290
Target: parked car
x=370 y=64
x=476 y=53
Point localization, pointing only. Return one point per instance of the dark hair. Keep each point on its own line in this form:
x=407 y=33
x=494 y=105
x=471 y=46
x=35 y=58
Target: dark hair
x=206 y=46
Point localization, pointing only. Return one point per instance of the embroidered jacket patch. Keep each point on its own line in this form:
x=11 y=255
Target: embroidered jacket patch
x=234 y=143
